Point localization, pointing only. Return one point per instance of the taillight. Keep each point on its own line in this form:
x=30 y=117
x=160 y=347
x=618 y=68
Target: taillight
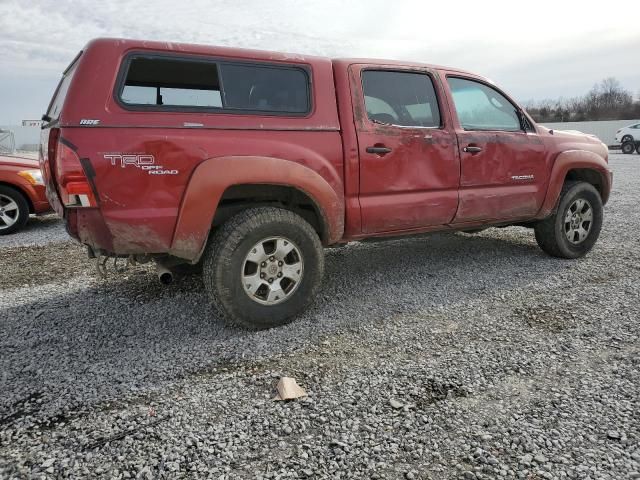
x=54 y=134
x=48 y=153
x=73 y=185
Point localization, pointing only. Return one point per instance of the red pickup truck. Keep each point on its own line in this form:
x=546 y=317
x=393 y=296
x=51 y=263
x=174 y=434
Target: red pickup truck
x=249 y=162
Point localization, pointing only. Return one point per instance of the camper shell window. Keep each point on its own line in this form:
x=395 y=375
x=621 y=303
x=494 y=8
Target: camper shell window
x=160 y=82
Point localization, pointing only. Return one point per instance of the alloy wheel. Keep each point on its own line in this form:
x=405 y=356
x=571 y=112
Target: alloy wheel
x=578 y=221
x=272 y=270
x=9 y=212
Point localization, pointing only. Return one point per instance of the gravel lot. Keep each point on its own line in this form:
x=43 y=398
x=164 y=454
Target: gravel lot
x=448 y=356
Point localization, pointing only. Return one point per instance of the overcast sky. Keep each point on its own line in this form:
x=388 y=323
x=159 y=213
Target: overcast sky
x=535 y=50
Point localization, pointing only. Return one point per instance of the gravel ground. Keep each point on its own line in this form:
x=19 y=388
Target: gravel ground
x=447 y=356
x=42 y=230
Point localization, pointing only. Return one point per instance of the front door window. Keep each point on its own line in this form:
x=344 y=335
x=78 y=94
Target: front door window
x=480 y=107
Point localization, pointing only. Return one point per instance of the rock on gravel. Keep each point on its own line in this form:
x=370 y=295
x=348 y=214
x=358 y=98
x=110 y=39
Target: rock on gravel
x=504 y=363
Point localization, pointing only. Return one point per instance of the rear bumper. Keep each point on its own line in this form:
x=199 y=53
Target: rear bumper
x=117 y=235
x=87 y=226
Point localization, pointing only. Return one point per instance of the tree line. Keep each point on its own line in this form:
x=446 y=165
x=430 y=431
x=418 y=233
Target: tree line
x=607 y=100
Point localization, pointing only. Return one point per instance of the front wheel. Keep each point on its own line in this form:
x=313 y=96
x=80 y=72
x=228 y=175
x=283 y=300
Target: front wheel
x=574 y=228
x=263 y=267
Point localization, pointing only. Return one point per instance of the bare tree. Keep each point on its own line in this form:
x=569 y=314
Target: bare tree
x=606 y=100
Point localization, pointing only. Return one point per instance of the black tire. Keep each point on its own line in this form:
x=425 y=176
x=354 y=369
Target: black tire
x=628 y=147
x=638 y=149
x=226 y=257
x=17 y=217
x=550 y=232
x=627 y=138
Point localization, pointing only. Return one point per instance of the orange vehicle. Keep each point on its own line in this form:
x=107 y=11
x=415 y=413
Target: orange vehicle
x=22 y=192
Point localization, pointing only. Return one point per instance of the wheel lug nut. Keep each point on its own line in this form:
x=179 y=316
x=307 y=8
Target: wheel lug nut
x=279 y=274
x=272 y=258
x=262 y=275
x=271 y=280
x=263 y=264
x=280 y=263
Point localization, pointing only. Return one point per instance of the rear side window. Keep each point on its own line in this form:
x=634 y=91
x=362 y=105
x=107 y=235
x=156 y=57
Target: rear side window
x=55 y=107
x=171 y=82
x=400 y=98
x=265 y=88
x=176 y=83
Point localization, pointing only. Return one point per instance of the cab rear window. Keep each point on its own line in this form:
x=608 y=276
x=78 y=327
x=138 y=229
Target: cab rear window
x=169 y=83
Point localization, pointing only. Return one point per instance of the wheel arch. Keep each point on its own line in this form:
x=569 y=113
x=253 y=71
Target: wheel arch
x=587 y=175
x=20 y=191
x=238 y=197
x=237 y=182
x=577 y=165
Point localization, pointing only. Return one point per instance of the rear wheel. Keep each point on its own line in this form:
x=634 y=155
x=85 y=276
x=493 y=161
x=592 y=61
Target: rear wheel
x=574 y=228
x=263 y=266
x=628 y=147
x=14 y=210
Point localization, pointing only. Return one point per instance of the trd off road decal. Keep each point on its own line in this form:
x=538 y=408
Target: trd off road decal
x=143 y=161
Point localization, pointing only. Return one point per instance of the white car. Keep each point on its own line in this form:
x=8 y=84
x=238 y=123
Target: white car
x=629 y=133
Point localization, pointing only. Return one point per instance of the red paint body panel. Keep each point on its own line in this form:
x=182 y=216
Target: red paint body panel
x=9 y=168
x=426 y=183
x=488 y=189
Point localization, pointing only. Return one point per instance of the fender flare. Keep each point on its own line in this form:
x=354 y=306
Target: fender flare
x=212 y=177
x=570 y=160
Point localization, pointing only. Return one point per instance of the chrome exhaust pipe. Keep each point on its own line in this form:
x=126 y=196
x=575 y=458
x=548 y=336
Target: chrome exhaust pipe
x=164 y=274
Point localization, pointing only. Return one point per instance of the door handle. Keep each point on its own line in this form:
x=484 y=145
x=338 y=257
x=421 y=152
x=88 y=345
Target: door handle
x=471 y=149
x=378 y=150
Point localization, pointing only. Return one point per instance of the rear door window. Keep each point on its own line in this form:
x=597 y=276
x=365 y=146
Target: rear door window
x=161 y=82
x=400 y=98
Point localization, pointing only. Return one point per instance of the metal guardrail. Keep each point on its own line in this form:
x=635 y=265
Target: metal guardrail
x=7 y=142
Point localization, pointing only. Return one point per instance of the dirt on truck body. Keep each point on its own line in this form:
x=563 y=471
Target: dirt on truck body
x=249 y=162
